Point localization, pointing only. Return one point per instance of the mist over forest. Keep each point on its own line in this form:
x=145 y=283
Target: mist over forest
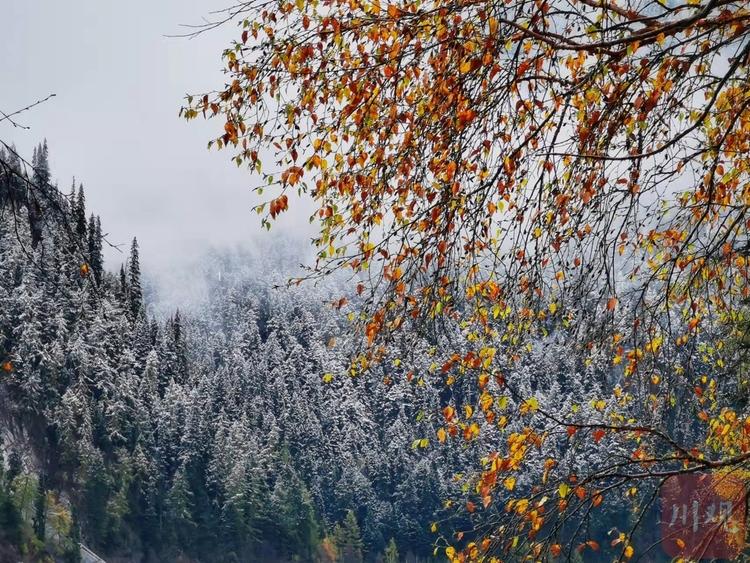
x=358 y=281
x=227 y=431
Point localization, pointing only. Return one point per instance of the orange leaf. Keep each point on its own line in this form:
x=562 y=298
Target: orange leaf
x=441 y=435
x=230 y=130
x=611 y=303
x=278 y=205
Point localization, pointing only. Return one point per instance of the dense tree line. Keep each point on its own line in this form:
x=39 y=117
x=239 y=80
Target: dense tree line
x=234 y=433
x=238 y=431
x=515 y=167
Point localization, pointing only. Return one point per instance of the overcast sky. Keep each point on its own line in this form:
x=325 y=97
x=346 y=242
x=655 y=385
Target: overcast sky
x=119 y=83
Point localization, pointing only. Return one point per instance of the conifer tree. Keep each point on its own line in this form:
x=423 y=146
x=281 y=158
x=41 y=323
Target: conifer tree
x=40 y=509
x=40 y=164
x=40 y=185
x=122 y=290
x=348 y=539
x=391 y=552
x=134 y=281
x=96 y=261
x=79 y=216
x=12 y=190
x=72 y=553
x=73 y=199
x=10 y=517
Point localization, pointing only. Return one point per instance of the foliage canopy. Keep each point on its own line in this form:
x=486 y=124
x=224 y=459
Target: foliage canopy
x=522 y=168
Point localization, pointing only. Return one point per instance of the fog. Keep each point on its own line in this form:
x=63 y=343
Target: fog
x=119 y=81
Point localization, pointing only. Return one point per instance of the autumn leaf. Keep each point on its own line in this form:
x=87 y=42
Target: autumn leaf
x=529 y=406
x=278 y=205
x=231 y=131
x=514 y=177
x=563 y=490
x=448 y=413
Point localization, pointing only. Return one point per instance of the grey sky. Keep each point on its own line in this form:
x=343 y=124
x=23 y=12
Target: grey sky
x=119 y=84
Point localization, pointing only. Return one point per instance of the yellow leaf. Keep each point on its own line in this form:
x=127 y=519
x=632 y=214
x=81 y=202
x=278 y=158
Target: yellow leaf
x=441 y=435
x=509 y=483
x=493 y=25
x=563 y=490
x=529 y=406
x=327 y=377
x=465 y=66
